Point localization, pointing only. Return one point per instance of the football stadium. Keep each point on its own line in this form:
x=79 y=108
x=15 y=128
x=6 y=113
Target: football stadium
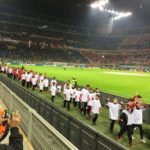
x=74 y=74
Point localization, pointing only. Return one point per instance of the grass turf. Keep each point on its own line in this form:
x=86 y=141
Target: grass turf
x=122 y=85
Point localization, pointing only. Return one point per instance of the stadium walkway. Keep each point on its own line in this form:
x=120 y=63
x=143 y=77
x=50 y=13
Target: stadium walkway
x=26 y=143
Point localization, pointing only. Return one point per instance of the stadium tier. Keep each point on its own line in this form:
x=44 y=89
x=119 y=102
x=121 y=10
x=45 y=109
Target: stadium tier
x=22 y=36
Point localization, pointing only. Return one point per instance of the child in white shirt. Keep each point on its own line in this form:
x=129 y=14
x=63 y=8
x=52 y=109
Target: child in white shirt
x=96 y=107
x=53 y=91
x=41 y=85
x=67 y=97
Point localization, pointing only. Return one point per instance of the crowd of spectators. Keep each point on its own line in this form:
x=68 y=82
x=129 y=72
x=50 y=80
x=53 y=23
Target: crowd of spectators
x=136 y=42
x=46 y=41
x=21 y=54
x=139 y=58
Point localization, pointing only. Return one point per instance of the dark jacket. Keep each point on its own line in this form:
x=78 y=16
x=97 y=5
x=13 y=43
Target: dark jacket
x=15 y=141
x=123 y=119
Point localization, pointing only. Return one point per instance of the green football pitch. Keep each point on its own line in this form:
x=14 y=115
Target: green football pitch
x=121 y=83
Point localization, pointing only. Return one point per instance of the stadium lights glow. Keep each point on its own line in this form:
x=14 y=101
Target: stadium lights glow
x=99 y=4
x=122 y=15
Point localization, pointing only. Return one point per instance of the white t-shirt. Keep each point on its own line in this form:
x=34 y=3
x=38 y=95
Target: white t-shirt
x=130 y=119
x=46 y=82
x=53 y=90
x=138 y=116
x=53 y=81
x=31 y=74
x=3 y=69
x=41 y=78
x=41 y=85
x=23 y=77
x=67 y=94
x=28 y=78
x=114 y=110
x=17 y=71
x=37 y=76
x=59 y=88
x=34 y=81
x=84 y=97
x=96 y=105
x=77 y=95
x=10 y=70
x=90 y=99
x=73 y=93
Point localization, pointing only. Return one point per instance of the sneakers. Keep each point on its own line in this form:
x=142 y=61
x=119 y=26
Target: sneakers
x=132 y=145
x=143 y=141
x=118 y=139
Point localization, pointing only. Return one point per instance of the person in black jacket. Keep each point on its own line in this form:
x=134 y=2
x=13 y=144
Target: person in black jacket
x=15 y=139
x=126 y=122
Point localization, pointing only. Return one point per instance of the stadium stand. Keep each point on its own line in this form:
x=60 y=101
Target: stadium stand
x=22 y=34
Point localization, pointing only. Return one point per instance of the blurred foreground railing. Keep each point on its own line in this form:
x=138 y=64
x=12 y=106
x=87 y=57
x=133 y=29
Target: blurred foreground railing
x=38 y=131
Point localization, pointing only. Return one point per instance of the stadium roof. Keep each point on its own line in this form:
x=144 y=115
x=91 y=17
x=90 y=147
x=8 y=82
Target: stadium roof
x=79 y=9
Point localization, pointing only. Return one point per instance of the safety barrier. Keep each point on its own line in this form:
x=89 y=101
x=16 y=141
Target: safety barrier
x=38 y=131
x=82 y=136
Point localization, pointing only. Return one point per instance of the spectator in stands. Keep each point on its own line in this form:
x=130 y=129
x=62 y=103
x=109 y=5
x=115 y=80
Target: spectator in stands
x=15 y=139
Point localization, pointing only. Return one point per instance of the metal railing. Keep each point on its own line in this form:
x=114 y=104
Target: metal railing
x=38 y=131
x=82 y=136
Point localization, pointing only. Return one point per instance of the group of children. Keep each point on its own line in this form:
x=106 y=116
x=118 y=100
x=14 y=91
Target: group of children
x=129 y=116
x=86 y=100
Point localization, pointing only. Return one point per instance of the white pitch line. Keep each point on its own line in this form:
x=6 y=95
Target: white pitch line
x=128 y=74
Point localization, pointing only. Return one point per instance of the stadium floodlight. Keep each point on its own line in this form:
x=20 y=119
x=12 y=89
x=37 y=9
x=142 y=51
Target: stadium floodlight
x=112 y=11
x=101 y=8
x=94 y=5
x=116 y=13
x=122 y=15
x=99 y=4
